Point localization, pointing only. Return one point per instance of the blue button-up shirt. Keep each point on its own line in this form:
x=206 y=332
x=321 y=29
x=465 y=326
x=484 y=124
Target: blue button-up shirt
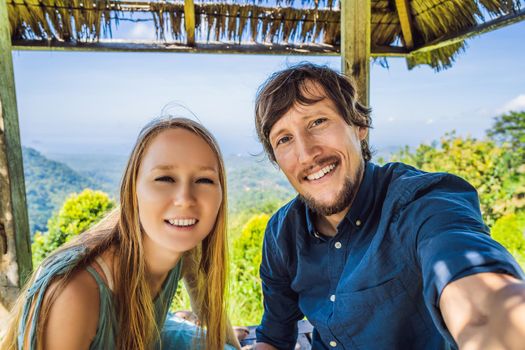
x=376 y=284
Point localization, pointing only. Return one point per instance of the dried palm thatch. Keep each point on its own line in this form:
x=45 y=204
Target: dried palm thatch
x=310 y=22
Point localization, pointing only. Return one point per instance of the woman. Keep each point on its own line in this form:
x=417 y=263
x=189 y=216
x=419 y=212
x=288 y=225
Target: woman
x=112 y=286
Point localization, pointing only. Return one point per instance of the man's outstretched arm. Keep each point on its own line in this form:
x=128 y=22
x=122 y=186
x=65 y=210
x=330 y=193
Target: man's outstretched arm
x=485 y=311
x=264 y=346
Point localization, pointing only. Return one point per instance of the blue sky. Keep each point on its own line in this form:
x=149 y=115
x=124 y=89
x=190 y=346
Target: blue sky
x=71 y=102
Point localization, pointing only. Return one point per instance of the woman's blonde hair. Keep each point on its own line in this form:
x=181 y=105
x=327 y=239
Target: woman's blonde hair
x=137 y=328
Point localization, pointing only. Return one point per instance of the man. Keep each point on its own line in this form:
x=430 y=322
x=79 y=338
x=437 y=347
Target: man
x=375 y=257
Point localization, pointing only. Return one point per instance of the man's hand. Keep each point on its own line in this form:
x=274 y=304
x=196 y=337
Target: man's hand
x=485 y=311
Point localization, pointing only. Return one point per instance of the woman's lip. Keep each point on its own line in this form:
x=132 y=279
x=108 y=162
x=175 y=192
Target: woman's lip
x=181 y=228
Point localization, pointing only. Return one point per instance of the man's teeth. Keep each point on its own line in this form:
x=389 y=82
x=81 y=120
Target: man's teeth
x=182 y=222
x=321 y=173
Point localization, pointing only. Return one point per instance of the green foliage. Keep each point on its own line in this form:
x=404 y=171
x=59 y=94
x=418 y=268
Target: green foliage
x=510 y=128
x=79 y=212
x=490 y=168
x=509 y=230
x=246 y=294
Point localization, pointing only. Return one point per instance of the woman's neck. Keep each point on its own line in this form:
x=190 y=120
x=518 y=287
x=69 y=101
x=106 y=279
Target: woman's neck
x=159 y=262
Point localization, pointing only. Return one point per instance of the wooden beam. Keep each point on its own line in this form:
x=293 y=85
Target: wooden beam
x=388 y=51
x=15 y=248
x=114 y=45
x=403 y=12
x=355 y=44
x=486 y=27
x=149 y=46
x=189 y=22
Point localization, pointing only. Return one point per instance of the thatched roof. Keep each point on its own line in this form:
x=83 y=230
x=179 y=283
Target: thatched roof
x=313 y=25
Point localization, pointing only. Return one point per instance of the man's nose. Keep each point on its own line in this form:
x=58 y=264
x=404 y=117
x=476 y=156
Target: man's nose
x=306 y=149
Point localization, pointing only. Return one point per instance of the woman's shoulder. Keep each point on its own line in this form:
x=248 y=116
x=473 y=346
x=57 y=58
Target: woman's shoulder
x=73 y=313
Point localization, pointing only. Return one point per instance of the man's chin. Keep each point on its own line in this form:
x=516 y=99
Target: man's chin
x=323 y=207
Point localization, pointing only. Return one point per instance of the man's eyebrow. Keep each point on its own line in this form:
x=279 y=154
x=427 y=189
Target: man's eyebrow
x=273 y=134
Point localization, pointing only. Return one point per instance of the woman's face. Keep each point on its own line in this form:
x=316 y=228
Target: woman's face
x=178 y=192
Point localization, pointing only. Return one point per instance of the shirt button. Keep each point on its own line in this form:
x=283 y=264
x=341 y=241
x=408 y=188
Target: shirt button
x=332 y=297
x=333 y=344
x=337 y=245
x=358 y=222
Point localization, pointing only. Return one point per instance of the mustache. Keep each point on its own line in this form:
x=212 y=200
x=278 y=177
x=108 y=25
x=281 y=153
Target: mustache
x=318 y=163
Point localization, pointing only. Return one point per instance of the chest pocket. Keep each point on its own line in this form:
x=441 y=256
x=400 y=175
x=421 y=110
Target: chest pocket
x=380 y=317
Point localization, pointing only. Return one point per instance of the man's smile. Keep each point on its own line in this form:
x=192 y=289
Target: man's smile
x=321 y=173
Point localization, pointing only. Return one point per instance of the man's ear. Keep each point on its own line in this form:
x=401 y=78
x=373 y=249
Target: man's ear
x=362 y=132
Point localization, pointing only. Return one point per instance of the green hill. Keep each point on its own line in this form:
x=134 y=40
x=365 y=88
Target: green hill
x=48 y=183
x=254 y=185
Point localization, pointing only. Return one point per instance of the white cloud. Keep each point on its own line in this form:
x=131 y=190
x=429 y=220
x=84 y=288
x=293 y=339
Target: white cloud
x=429 y=121
x=516 y=104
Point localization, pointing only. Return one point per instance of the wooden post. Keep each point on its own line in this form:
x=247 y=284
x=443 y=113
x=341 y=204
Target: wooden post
x=355 y=44
x=189 y=21
x=15 y=248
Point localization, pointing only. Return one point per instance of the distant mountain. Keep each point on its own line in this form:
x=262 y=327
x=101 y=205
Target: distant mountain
x=254 y=185
x=48 y=183
x=252 y=180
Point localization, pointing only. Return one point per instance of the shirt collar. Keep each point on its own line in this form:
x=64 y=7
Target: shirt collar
x=357 y=214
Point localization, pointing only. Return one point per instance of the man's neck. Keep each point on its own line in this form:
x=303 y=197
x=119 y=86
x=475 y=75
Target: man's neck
x=327 y=225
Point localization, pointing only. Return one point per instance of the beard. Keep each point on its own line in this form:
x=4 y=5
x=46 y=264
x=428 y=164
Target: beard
x=343 y=199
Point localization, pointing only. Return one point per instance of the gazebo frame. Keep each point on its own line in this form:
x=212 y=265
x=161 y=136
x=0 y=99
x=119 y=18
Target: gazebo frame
x=355 y=50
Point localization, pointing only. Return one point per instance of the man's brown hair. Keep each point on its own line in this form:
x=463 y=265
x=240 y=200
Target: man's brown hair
x=287 y=87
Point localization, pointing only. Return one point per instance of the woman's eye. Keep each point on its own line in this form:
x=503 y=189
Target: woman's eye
x=318 y=121
x=205 y=180
x=165 y=179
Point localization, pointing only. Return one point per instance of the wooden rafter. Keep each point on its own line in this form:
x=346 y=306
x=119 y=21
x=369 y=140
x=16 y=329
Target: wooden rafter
x=199 y=47
x=497 y=23
x=405 y=19
x=189 y=21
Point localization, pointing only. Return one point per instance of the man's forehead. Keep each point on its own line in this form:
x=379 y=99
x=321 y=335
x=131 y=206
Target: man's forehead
x=312 y=89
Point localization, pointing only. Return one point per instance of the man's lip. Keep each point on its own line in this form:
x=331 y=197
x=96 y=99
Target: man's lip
x=324 y=165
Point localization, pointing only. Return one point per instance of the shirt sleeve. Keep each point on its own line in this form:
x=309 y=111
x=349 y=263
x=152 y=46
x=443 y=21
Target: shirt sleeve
x=281 y=311
x=453 y=242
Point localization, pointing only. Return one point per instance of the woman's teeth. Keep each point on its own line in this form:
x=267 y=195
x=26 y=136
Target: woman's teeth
x=321 y=173
x=182 y=222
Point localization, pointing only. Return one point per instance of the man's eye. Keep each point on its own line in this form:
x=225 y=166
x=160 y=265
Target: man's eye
x=318 y=121
x=283 y=140
x=205 y=180
x=165 y=179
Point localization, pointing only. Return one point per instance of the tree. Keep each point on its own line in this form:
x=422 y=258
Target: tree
x=509 y=230
x=246 y=292
x=510 y=128
x=78 y=213
x=488 y=167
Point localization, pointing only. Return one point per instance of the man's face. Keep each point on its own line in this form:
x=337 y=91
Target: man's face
x=319 y=153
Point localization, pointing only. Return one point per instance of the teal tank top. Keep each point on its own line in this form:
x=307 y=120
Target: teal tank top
x=105 y=337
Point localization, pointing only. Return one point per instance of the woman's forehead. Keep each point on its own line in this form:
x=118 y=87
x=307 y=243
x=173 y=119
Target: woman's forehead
x=179 y=147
